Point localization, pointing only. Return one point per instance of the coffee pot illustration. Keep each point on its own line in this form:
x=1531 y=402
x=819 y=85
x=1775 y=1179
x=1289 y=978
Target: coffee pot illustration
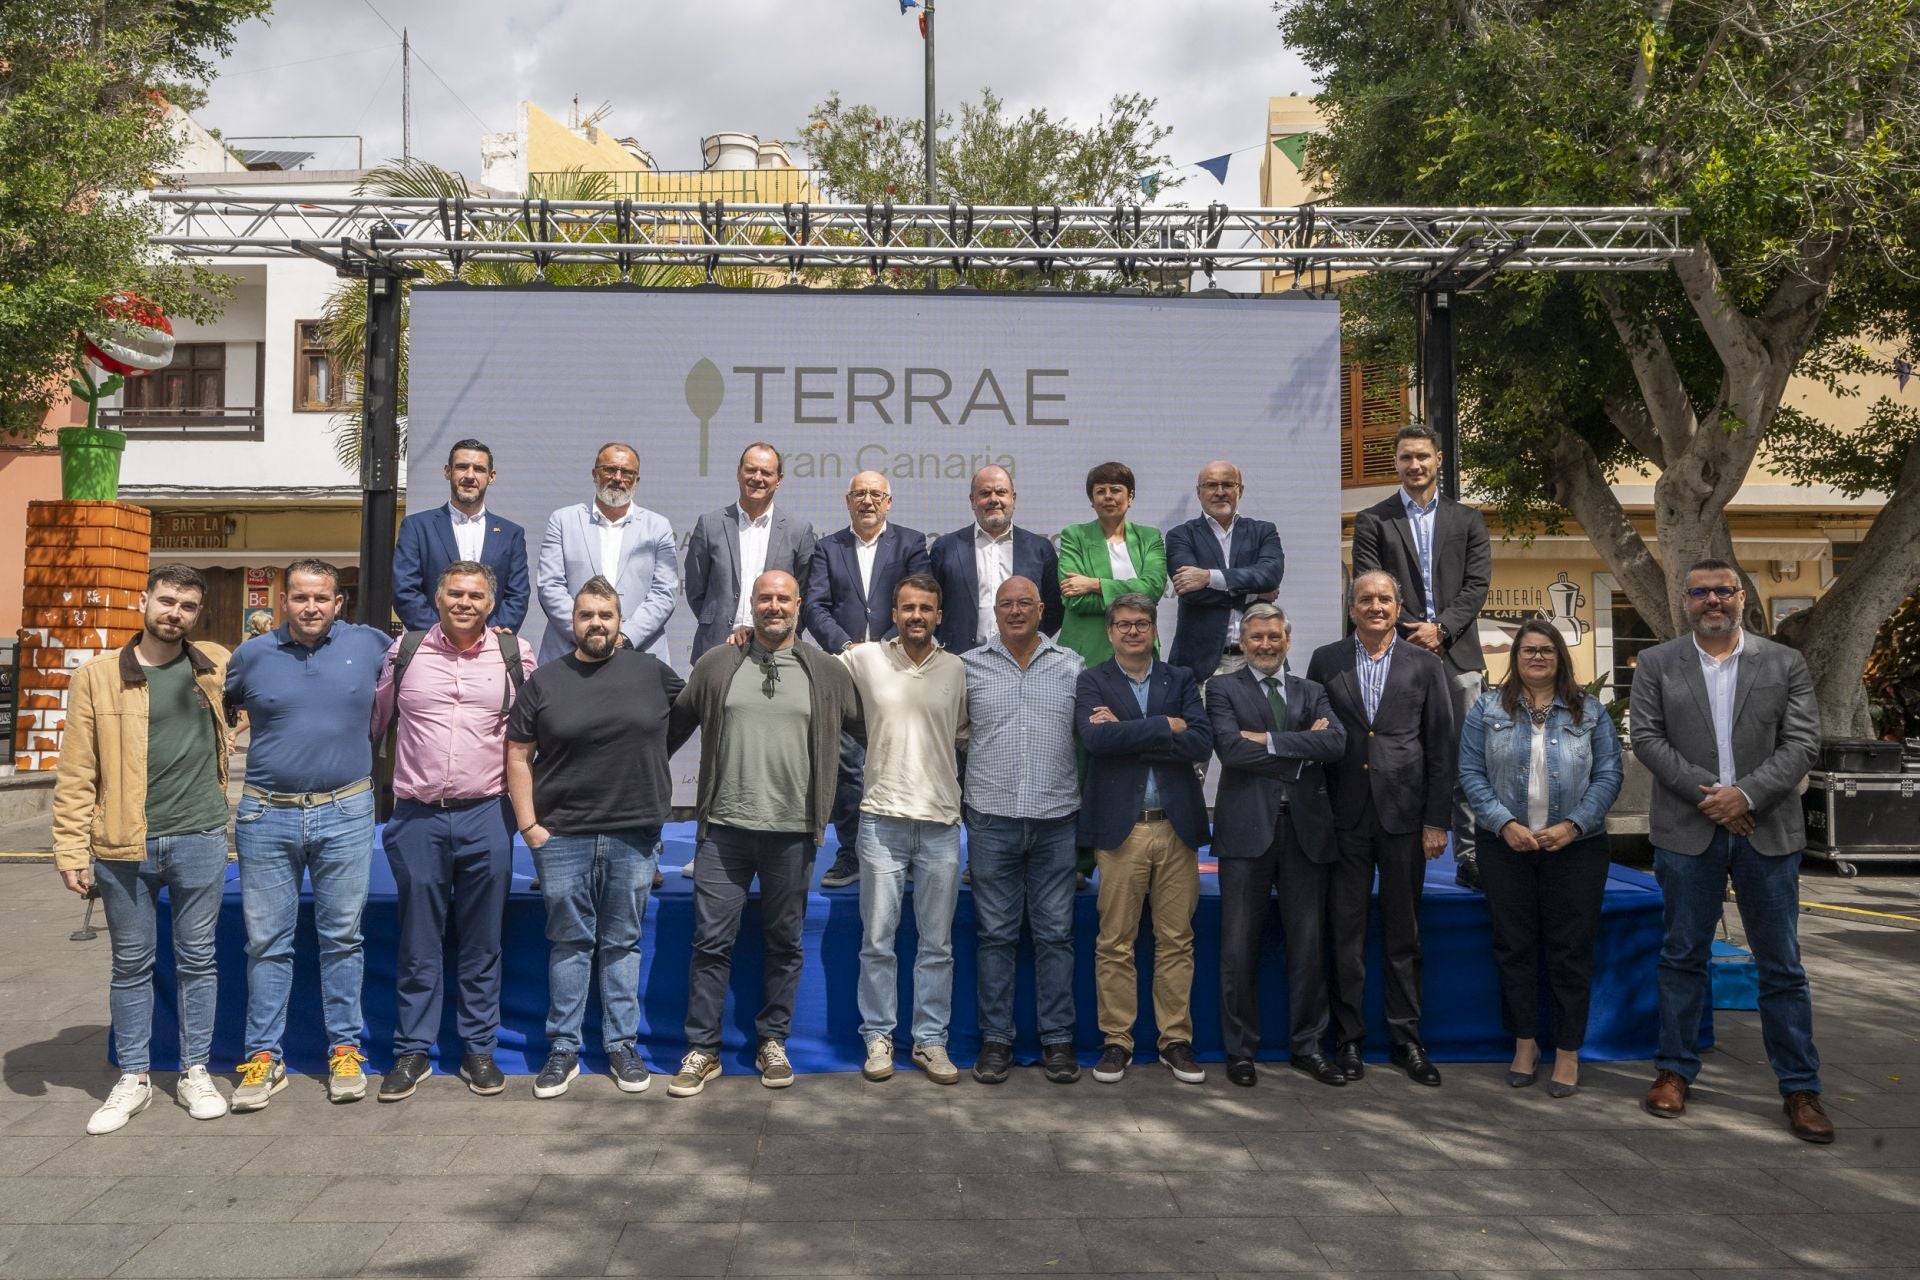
x=1563 y=597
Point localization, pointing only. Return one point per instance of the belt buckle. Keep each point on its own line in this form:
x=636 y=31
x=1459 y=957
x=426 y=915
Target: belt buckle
x=306 y=799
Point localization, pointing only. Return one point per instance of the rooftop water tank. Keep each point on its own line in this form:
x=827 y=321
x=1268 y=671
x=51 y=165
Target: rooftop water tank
x=731 y=151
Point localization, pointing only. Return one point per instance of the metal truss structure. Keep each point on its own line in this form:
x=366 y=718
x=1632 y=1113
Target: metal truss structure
x=361 y=232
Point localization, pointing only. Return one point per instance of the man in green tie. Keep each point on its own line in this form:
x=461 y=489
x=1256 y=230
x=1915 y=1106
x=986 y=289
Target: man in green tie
x=1273 y=826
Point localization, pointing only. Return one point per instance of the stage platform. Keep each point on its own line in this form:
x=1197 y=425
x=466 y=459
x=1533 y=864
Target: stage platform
x=1461 y=1020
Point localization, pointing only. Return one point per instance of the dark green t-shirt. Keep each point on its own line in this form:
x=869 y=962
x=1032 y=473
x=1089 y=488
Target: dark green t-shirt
x=183 y=771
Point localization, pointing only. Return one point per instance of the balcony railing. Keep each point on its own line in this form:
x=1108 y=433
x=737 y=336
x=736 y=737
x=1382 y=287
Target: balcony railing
x=691 y=186
x=201 y=422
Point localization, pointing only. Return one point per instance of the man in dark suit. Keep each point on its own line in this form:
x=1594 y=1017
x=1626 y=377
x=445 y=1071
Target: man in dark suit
x=971 y=563
x=1220 y=563
x=736 y=544
x=1141 y=808
x=1437 y=551
x=1393 y=790
x=1273 y=827
x=463 y=529
x=849 y=601
x=1727 y=724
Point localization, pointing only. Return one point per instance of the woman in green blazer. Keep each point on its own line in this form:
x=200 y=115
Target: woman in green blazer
x=1105 y=559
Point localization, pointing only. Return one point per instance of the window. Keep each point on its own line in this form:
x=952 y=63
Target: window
x=315 y=387
x=195 y=379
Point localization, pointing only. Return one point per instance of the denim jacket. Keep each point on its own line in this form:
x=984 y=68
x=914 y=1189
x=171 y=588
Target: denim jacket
x=1583 y=764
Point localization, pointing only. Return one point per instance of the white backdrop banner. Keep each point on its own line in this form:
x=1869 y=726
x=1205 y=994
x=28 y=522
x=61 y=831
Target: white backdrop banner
x=923 y=388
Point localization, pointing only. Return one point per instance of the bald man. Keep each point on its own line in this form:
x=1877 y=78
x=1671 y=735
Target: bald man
x=1220 y=563
x=971 y=563
x=849 y=601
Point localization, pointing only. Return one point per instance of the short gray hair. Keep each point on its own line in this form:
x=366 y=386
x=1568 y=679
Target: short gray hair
x=1265 y=610
x=1138 y=601
x=1353 y=588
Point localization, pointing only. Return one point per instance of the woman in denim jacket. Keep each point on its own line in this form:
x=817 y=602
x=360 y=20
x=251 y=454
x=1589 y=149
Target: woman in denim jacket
x=1540 y=763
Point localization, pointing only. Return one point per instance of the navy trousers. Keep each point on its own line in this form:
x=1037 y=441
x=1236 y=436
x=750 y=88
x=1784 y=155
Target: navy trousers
x=441 y=858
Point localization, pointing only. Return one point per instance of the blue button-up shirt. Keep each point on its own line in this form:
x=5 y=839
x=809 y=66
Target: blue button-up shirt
x=1373 y=674
x=1151 y=800
x=308 y=708
x=1421 y=520
x=1021 y=760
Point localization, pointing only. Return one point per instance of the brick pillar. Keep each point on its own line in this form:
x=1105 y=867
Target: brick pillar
x=86 y=568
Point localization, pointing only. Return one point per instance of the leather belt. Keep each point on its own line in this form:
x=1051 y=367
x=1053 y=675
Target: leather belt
x=305 y=799
x=453 y=804
x=1151 y=815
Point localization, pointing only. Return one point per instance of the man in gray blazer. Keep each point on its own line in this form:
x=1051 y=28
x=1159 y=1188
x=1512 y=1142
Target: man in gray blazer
x=1727 y=724
x=736 y=544
x=626 y=544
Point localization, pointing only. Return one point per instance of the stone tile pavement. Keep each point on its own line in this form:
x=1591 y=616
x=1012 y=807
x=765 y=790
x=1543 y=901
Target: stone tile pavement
x=837 y=1177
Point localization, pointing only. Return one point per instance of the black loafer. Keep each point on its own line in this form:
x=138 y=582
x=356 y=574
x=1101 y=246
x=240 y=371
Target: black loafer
x=481 y=1075
x=993 y=1063
x=1347 y=1058
x=1058 y=1062
x=1466 y=873
x=1320 y=1067
x=409 y=1069
x=1240 y=1071
x=1413 y=1060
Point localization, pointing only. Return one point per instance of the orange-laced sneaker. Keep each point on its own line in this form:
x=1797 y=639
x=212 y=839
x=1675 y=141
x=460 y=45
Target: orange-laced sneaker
x=346 y=1082
x=261 y=1076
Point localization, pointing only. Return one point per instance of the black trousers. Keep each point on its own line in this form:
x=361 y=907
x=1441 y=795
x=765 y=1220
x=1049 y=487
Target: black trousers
x=1246 y=886
x=1364 y=848
x=1545 y=902
x=724 y=868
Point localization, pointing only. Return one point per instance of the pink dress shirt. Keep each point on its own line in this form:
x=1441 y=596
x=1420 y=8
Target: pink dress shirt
x=450 y=742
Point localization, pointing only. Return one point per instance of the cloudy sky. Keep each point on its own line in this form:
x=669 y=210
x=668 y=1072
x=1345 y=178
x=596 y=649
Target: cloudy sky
x=677 y=71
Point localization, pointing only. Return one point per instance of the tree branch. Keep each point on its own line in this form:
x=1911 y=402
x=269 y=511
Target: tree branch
x=1727 y=327
x=1642 y=65
x=1581 y=487
x=1787 y=323
x=1669 y=408
x=1630 y=418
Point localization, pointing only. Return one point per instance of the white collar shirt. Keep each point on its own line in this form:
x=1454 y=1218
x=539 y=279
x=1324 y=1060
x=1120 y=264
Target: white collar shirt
x=754 y=535
x=1217 y=578
x=469 y=532
x=992 y=565
x=612 y=534
x=1723 y=677
x=864 y=553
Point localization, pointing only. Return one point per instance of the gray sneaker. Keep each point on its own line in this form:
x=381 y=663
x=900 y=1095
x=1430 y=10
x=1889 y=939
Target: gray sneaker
x=261 y=1076
x=696 y=1069
x=933 y=1059
x=775 y=1071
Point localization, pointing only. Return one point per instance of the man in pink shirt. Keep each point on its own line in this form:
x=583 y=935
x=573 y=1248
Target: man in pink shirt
x=447 y=693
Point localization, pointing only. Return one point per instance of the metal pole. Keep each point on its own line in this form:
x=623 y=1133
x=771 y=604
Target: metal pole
x=1439 y=404
x=926 y=13
x=379 y=450
x=406 y=96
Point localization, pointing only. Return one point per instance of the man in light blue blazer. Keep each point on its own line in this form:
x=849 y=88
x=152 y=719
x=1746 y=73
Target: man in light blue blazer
x=626 y=544
x=462 y=529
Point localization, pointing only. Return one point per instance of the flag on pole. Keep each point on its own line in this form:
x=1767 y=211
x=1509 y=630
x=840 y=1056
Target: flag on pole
x=1217 y=167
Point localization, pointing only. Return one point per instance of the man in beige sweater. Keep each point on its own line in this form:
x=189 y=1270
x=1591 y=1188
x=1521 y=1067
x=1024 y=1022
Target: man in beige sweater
x=914 y=695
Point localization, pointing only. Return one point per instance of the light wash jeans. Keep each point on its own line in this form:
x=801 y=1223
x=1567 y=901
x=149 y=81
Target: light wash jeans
x=888 y=848
x=595 y=888
x=193 y=871
x=331 y=845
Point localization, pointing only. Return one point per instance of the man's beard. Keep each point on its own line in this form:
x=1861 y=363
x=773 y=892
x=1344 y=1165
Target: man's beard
x=775 y=629
x=597 y=644
x=612 y=497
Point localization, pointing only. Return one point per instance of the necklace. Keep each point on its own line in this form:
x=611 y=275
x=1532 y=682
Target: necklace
x=1538 y=714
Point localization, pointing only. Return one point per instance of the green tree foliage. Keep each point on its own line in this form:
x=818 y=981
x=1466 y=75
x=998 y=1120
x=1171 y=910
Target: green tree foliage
x=83 y=91
x=1788 y=128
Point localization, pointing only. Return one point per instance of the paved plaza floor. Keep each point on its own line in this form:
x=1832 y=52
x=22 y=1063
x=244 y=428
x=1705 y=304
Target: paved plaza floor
x=836 y=1176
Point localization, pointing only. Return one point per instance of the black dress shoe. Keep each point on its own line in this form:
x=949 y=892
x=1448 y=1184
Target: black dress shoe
x=409 y=1069
x=481 y=1075
x=1413 y=1060
x=1466 y=873
x=1058 y=1063
x=1240 y=1071
x=993 y=1063
x=1347 y=1058
x=1320 y=1067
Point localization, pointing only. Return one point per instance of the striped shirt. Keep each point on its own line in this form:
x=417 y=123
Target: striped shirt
x=1020 y=760
x=1420 y=519
x=1373 y=674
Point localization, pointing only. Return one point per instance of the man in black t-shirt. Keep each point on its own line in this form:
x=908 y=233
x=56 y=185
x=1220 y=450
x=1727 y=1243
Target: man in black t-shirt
x=587 y=774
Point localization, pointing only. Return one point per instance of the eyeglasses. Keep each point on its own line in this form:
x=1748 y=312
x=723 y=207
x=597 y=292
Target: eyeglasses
x=617 y=473
x=877 y=495
x=1531 y=652
x=1718 y=593
x=1137 y=625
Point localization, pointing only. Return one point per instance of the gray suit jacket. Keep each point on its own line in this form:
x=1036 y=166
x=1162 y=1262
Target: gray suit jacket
x=713 y=567
x=648 y=579
x=1776 y=740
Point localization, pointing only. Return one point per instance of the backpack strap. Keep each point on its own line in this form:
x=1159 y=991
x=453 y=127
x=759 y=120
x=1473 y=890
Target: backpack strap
x=409 y=645
x=516 y=671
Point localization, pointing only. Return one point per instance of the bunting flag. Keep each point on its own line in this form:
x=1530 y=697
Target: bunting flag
x=1294 y=148
x=1902 y=370
x=1150 y=185
x=909 y=4
x=1217 y=166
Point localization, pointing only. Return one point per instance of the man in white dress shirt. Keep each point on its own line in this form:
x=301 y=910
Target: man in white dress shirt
x=734 y=545
x=971 y=562
x=612 y=537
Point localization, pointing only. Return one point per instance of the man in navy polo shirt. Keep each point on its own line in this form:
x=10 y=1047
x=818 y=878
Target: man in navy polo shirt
x=306 y=811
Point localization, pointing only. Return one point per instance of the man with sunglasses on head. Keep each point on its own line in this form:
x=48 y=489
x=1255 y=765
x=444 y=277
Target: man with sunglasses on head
x=1727 y=725
x=771 y=713
x=616 y=539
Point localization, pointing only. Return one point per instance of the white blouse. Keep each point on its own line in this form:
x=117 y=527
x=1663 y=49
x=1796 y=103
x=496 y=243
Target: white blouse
x=1118 y=561
x=1537 y=811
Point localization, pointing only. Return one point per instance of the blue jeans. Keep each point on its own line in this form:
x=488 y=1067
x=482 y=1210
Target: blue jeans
x=888 y=848
x=595 y=887
x=193 y=871
x=1023 y=868
x=1768 y=893
x=331 y=845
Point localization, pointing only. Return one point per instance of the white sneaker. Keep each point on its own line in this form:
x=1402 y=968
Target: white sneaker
x=933 y=1059
x=200 y=1095
x=879 y=1064
x=130 y=1096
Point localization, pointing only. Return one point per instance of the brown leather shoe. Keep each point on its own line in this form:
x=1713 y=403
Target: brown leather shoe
x=1807 y=1118
x=1668 y=1096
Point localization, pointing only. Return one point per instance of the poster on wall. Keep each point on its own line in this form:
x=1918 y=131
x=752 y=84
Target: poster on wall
x=256 y=622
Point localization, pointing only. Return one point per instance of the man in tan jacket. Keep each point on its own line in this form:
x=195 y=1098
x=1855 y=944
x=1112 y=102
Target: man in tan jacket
x=140 y=804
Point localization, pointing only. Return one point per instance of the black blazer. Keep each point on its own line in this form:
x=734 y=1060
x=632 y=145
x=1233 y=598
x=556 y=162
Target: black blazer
x=953 y=565
x=1462 y=568
x=1405 y=758
x=1255 y=783
x=834 y=608
x=426 y=546
x=1119 y=754
x=1254 y=567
